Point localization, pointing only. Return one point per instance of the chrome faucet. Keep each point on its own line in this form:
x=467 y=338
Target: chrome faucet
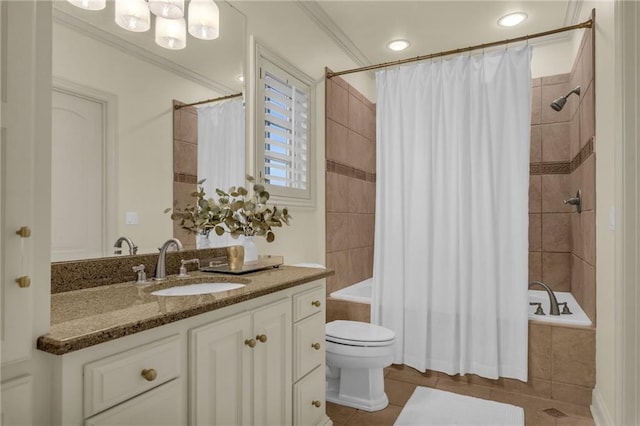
x=161 y=266
x=133 y=249
x=553 y=302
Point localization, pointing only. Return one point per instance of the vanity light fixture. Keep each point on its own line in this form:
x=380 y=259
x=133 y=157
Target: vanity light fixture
x=204 y=19
x=512 y=19
x=89 y=4
x=168 y=9
x=133 y=15
x=171 y=25
x=171 y=33
x=398 y=45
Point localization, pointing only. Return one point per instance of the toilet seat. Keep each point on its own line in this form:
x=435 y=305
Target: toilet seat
x=355 y=333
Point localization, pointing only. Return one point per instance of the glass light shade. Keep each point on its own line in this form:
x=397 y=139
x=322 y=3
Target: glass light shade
x=89 y=4
x=133 y=15
x=169 y=9
x=171 y=33
x=204 y=19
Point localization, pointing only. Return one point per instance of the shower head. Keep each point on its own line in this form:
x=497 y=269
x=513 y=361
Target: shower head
x=558 y=104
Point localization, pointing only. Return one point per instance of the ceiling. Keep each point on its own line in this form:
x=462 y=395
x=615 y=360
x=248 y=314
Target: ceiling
x=434 y=26
x=340 y=34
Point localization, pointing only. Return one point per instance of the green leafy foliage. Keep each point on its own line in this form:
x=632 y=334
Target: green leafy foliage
x=237 y=212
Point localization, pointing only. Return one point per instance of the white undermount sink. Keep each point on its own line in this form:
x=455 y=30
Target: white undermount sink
x=195 y=289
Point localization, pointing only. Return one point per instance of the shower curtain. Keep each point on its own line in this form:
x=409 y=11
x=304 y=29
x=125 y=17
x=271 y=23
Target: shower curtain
x=451 y=232
x=221 y=154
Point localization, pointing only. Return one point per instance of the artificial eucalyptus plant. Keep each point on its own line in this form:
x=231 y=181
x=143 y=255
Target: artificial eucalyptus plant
x=236 y=211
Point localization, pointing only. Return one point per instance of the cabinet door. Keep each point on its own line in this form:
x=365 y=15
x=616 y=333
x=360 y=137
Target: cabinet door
x=160 y=406
x=219 y=371
x=308 y=399
x=17 y=403
x=272 y=365
x=309 y=344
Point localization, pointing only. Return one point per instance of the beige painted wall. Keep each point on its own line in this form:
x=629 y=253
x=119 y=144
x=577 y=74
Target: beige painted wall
x=145 y=126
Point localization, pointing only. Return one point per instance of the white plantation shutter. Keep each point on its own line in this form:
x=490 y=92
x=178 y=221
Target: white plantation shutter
x=284 y=126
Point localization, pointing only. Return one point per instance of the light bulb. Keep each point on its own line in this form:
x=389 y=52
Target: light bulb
x=171 y=33
x=133 y=15
x=169 y=9
x=512 y=19
x=89 y=4
x=204 y=19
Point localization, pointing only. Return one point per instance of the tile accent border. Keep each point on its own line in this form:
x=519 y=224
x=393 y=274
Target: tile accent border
x=185 y=178
x=341 y=169
x=563 y=167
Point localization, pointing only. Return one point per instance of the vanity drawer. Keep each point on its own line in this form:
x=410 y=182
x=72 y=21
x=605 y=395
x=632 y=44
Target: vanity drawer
x=114 y=379
x=308 y=303
x=309 y=399
x=309 y=345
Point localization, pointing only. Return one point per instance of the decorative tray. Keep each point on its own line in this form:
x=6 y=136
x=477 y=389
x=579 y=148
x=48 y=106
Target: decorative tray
x=263 y=262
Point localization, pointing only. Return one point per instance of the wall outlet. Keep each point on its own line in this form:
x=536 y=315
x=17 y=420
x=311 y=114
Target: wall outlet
x=131 y=218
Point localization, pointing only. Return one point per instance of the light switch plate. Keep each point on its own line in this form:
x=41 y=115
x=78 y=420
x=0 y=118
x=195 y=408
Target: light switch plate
x=131 y=218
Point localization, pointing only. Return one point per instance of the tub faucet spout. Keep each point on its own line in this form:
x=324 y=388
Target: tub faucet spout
x=553 y=302
x=161 y=268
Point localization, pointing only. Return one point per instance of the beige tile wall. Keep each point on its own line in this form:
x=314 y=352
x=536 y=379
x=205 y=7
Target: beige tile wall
x=350 y=187
x=185 y=164
x=562 y=242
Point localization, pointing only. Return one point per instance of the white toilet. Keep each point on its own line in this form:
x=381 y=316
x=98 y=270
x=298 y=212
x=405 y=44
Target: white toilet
x=357 y=353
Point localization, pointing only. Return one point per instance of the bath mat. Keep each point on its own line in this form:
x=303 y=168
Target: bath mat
x=432 y=407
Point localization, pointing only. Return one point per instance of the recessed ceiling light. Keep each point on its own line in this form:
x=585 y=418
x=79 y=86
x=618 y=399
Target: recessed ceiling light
x=240 y=77
x=512 y=19
x=398 y=45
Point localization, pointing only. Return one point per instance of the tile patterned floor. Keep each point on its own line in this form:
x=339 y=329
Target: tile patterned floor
x=400 y=383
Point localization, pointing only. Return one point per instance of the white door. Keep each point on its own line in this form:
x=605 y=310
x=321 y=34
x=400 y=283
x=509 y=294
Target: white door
x=272 y=365
x=220 y=372
x=78 y=192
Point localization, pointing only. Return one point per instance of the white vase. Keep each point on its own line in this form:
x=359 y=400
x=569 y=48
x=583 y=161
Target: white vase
x=250 y=250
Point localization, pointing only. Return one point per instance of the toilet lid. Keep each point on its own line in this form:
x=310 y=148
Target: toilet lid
x=358 y=333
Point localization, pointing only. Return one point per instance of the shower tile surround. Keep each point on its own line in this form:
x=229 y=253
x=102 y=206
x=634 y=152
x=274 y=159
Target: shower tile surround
x=561 y=241
x=185 y=164
x=350 y=193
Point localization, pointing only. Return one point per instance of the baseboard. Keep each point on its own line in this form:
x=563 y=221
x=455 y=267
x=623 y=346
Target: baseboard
x=601 y=415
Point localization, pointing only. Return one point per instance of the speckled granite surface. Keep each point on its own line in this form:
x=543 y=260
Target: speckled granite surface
x=89 y=316
x=79 y=274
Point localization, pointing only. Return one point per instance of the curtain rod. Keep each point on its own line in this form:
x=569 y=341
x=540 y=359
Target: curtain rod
x=221 y=98
x=586 y=24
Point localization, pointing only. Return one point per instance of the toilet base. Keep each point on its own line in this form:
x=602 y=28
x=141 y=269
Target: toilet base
x=361 y=388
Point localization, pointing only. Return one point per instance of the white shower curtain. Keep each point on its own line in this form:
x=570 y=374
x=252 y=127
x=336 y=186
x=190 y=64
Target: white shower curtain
x=451 y=235
x=221 y=154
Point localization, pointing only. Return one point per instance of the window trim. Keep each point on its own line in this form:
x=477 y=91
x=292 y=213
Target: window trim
x=269 y=60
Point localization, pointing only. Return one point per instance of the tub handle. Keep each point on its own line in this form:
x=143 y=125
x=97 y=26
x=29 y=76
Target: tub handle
x=539 y=310
x=565 y=308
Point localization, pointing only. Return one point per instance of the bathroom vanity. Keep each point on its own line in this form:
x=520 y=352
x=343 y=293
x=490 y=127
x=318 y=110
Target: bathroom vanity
x=252 y=355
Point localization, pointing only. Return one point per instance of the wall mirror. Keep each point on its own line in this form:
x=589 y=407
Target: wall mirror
x=112 y=113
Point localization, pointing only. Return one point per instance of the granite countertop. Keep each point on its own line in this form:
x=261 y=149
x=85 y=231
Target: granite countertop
x=87 y=317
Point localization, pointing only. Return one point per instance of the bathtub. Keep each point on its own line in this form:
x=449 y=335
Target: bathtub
x=361 y=293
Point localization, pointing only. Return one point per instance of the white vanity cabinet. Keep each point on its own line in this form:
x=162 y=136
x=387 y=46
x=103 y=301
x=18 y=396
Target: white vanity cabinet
x=309 y=357
x=258 y=362
x=240 y=368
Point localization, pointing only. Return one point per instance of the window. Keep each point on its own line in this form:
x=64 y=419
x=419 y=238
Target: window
x=283 y=127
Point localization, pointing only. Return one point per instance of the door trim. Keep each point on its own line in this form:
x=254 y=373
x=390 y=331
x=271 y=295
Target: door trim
x=109 y=102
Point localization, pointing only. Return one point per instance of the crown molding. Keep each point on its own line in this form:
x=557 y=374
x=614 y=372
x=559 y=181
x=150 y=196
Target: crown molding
x=333 y=30
x=124 y=46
